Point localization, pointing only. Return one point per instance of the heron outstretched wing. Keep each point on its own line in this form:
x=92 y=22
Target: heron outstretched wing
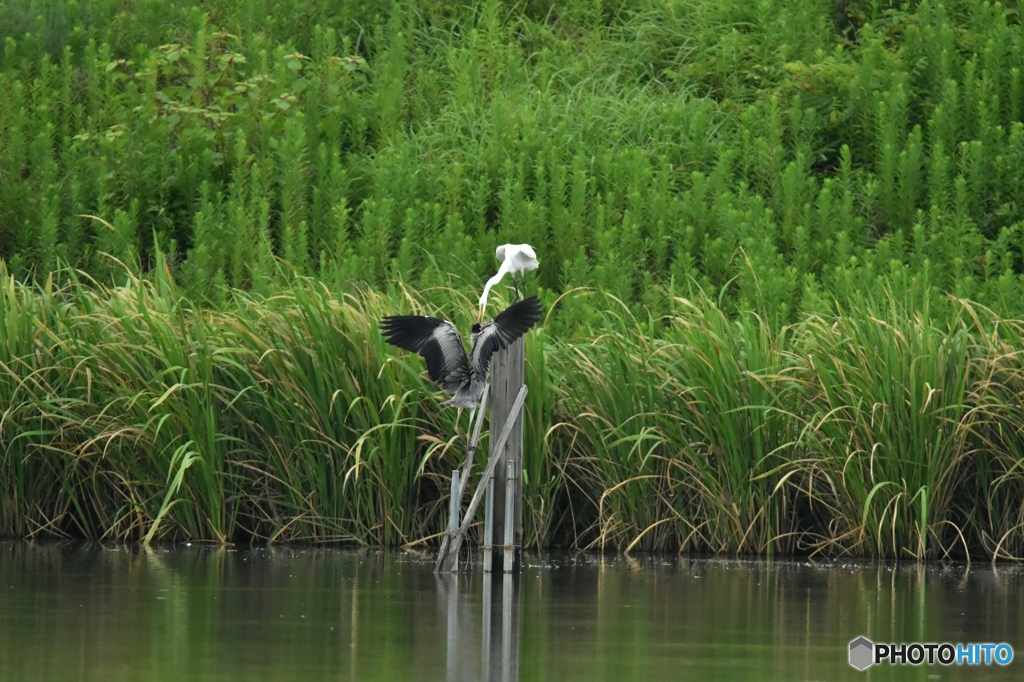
x=436 y=340
x=509 y=325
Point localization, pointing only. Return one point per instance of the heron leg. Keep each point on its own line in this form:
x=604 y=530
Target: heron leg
x=464 y=436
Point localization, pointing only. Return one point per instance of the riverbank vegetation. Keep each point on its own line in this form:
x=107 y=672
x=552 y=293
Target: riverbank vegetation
x=876 y=430
x=781 y=243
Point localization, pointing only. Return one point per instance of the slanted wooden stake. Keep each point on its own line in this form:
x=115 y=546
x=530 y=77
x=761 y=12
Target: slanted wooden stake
x=455 y=502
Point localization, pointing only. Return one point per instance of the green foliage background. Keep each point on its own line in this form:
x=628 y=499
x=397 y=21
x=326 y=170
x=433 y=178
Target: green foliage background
x=804 y=220
x=778 y=154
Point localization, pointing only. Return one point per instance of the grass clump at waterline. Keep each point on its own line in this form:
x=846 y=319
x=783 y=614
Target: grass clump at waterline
x=130 y=413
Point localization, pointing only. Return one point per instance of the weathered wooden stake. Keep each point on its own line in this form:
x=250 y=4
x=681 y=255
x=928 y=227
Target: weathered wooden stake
x=504 y=503
x=509 y=551
x=455 y=502
x=447 y=560
x=507 y=376
x=475 y=428
x=489 y=525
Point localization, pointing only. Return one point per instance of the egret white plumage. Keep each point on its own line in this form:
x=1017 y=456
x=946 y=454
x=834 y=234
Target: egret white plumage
x=514 y=258
x=440 y=345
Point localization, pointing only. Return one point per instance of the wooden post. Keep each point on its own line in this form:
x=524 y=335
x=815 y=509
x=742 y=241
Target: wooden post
x=489 y=524
x=509 y=548
x=507 y=396
x=507 y=376
x=453 y=504
x=447 y=559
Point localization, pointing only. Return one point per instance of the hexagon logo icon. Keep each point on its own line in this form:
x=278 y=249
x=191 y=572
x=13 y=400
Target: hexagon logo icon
x=861 y=653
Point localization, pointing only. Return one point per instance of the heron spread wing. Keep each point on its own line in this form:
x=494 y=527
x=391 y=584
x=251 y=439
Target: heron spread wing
x=436 y=340
x=509 y=325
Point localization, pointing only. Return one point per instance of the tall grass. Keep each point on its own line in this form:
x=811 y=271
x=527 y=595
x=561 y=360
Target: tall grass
x=996 y=513
x=131 y=413
x=888 y=412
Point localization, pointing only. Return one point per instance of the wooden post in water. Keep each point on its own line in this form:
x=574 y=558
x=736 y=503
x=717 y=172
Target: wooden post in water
x=489 y=524
x=447 y=558
x=507 y=397
x=507 y=376
x=453 y=506
x=509 y=548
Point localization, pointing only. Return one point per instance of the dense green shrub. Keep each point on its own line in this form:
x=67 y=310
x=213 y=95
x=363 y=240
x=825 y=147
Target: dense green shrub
x=779 y=154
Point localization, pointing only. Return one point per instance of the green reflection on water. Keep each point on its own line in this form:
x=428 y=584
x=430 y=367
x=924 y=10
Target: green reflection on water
x=74 y=611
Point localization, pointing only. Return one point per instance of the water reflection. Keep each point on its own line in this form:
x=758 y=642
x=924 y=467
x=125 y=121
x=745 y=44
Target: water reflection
x=72 y=611
x=482 y=631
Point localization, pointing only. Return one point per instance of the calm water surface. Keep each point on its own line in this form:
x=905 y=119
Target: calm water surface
x=74 y=611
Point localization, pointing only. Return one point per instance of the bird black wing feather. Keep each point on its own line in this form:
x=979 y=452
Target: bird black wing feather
x=509 y=325
x=436 y=340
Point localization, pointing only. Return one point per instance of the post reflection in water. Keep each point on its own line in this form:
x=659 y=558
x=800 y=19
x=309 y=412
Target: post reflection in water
x=75 y=611
x=493 y=630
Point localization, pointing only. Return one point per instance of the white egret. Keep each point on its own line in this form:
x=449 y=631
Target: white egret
x=440 y=345
x=514 y=258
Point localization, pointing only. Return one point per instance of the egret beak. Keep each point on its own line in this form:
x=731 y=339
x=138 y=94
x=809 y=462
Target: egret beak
x=480 y=316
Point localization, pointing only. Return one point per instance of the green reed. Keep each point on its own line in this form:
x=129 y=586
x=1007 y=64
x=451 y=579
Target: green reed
x=682 y=421
x=994 y=514
x=158 y=419
x=131 y=413
x=888 y=400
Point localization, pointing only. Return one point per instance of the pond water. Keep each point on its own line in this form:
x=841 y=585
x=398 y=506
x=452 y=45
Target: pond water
x=77 y=611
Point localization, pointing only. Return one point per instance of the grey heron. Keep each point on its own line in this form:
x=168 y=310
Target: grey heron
x=440 y=345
